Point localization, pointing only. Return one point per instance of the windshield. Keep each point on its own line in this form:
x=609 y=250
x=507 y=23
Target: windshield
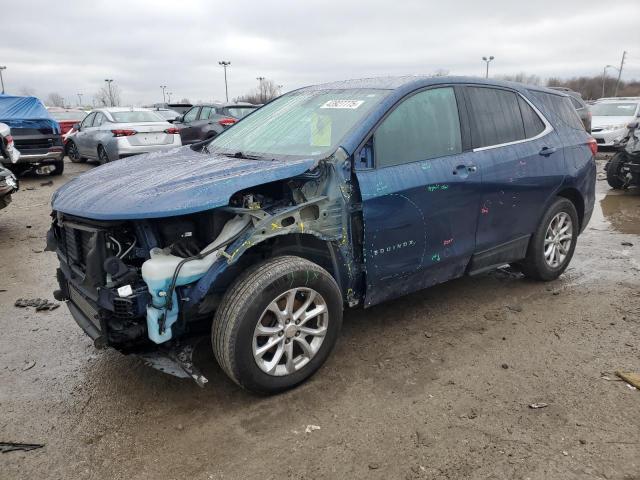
x=614 y=109
x=302 y=123
x=240 y=112
x=68 y=116
x=133 y=116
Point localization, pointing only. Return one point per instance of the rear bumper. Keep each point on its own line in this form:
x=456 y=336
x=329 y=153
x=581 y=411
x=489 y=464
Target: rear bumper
x=122 y=149
x=40 y=157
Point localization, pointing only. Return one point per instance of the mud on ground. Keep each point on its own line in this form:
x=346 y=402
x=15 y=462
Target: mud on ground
x=436 y=385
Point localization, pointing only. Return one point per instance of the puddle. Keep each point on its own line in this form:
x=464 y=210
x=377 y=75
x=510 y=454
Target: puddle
x=617 y=210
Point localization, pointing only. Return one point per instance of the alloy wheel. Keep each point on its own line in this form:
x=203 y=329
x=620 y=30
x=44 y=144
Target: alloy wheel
x=557 y=240
x=290 y=331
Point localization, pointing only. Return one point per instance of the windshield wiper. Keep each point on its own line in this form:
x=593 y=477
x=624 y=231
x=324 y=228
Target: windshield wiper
x=244 y=156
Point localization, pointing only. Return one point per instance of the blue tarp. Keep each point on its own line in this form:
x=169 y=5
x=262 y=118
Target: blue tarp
x=26 y=112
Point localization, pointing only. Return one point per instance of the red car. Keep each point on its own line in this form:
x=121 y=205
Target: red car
x=67 y=117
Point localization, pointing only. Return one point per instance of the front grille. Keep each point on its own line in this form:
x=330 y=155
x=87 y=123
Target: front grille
x=77 y=244
x=599 y=140
x=596 y=129
x=33 y=143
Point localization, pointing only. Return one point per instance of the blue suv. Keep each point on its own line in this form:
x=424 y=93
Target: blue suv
x=338 y=195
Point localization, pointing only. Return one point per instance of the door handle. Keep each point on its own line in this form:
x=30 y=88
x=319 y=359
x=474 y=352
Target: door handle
x=546 y=151
x=464 y=169
x=472 y=169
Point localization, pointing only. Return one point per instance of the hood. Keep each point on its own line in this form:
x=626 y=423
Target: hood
x=169 y=183
x=600 y=121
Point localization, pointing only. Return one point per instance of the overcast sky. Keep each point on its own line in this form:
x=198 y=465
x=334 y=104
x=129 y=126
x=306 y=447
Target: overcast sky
x=70 y=47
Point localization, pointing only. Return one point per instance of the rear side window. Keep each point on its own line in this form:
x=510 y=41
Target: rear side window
x=576 y=104
x=496 y=117
x=205 y=113
x=425 y=125
x=560 y=109
x=533 y=124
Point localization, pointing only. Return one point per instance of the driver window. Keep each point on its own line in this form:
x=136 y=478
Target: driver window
x=191 y=115
x=424 y=126
x=88 y=121
x=99 y=120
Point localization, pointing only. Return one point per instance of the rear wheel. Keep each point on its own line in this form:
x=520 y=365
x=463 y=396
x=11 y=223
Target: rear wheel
x=102 y=155
x=277 y=324
x=552 y=245
x=58 y=168
x=73 y=153
x=614 y=174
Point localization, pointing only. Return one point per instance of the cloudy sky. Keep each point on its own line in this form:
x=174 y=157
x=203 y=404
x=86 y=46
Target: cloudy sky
x=70 y=47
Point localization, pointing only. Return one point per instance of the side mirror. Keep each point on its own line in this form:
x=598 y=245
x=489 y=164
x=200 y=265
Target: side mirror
x=179 y=119
x=633 y=125
x=76 y=126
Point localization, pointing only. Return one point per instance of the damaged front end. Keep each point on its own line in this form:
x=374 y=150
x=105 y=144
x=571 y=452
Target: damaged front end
x=151 y=286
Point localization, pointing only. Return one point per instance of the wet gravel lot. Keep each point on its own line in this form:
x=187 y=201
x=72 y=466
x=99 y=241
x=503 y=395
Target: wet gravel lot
x=436 y=385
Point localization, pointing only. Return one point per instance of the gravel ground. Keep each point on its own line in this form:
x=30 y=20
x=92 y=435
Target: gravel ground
x=436 y=385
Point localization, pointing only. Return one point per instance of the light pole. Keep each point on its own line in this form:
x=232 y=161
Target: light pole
x=79 y=99
x=260 y=88
x=163 y=87
x=487 y=61
x=109 y=80
x=604 y=75
x=1 y=80
x=225 y=64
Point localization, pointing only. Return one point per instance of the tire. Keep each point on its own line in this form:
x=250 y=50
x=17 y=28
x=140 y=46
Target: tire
x=73 y=153
x=235 y=338
x=537 y=265
x=58 y=168
x=613 y=171
x=102 y=155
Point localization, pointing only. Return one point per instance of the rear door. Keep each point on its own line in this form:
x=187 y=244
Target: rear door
x=522 y=165
x=420 y=194
x=188 y=133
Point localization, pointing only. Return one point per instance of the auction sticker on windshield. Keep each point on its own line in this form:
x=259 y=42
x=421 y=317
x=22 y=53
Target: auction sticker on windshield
x=351 y=104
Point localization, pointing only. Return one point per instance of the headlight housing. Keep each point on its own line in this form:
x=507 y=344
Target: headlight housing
x=11 y=181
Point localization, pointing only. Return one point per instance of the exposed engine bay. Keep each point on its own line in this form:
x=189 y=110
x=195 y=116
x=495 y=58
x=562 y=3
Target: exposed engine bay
x=154 y=283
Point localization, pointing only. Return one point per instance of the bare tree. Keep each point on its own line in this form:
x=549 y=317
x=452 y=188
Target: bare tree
x=55 y=100
x=28 y=91
x=592 y=87
x=108 y=96
x=266 y=91
x=184 y=100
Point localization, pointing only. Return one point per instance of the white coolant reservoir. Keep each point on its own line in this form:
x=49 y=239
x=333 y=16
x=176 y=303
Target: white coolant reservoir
x=158 y=271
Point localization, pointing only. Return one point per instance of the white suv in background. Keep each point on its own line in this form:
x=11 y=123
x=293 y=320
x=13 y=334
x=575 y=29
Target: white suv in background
x=610 y=117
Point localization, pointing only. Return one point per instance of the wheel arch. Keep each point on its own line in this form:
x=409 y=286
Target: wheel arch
x=308 y=245
x=575 y=197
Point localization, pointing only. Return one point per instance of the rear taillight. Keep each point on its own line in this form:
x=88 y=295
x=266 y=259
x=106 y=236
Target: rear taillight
x=123 y=133
x=9 y=139
x=227 y=122
x=593 y=145
x=172 y=131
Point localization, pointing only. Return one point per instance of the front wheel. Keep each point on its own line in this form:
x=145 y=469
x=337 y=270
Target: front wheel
x=277 y=324
x=552 y=245
x=614 y=174
x=73 y=153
